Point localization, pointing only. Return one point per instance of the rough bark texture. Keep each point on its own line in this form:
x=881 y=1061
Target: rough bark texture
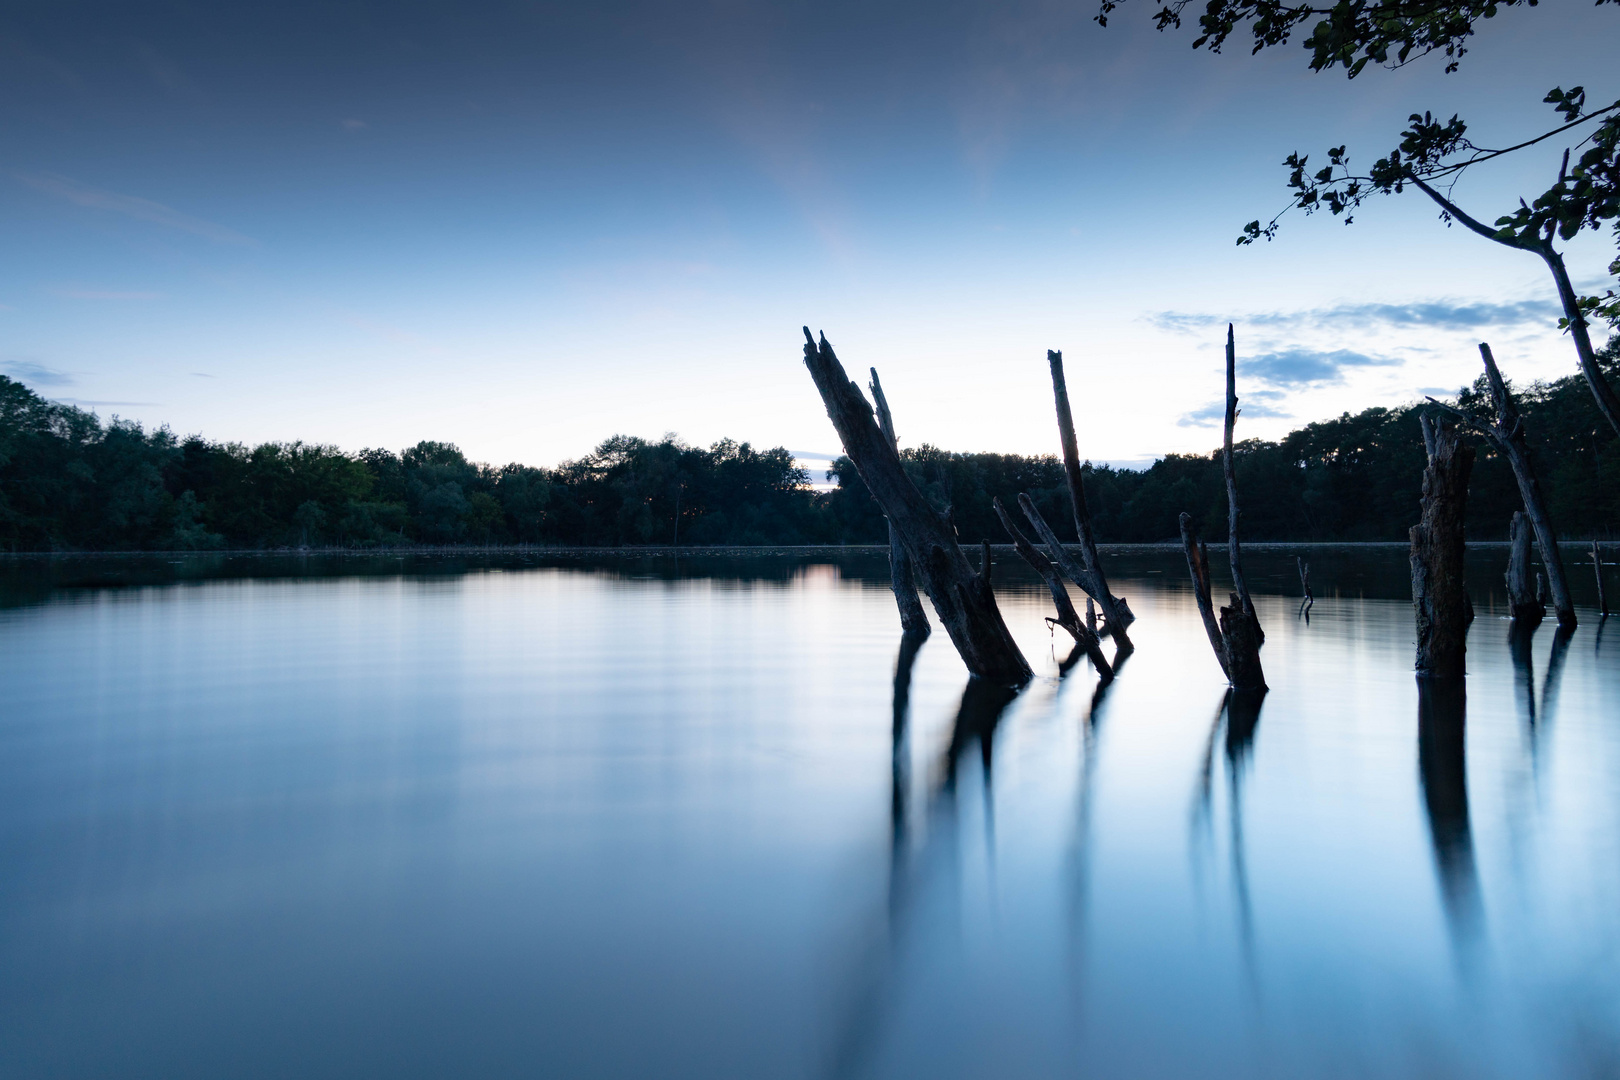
x=1116 y=615
x=913 y=620
x=1067 y=616
x=962 y=598
x=1506 y=436
x=1228 y=466
x=1524 y=605
x=1235 y=636
x=1439 y=592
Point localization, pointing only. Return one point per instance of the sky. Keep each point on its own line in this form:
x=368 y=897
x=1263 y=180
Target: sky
x=524 y=227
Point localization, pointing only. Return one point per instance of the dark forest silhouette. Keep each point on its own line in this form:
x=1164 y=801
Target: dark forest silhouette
x=70 y=481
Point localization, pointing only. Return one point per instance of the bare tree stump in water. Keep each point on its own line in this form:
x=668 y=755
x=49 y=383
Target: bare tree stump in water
x=1439 y=592
x=1506 y=436
x=1234 y=637
x=1228 y=467
x=1067 y=617
x=1524 y=605
x=1309 y=601
x=913 y=620
x=962 y=598
x=1116 y=615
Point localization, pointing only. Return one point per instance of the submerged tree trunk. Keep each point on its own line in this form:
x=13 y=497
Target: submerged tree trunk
x=1506 y=436
x=1115 y=612
x=1234 y=553
x=1067 y=616
x=1524 y=604
x=1439 y=591
x=913 y=620
x=1236 y=637
x=962 y=597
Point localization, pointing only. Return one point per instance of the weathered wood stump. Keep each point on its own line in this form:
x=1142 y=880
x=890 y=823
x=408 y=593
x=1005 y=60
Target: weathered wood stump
x=1229 y=468
x=913 y=620
x=1439 y=590
x=1525 y=606
x=962 y=597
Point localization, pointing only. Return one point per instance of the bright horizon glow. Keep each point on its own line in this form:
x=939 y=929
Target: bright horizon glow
x=525 y=234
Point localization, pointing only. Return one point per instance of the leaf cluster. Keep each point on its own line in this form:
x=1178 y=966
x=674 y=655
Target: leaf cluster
x=1350 y=34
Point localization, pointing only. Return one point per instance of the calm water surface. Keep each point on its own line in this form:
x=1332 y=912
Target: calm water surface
x=647 y=818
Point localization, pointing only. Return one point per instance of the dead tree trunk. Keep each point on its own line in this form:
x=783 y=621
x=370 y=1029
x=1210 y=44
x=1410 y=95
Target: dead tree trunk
x=1228 y=466
x=1116 y=614
x=1234 y=637
x=1597 y=568
x=1308 y=601
x=1067 y=616
x=1093 y=584
x=1439 y=593
x=1524 y=604
x=1506 y=436
x=962 y=598
x=913 y=620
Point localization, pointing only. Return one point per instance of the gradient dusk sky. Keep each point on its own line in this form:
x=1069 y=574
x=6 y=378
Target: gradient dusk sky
x=524 y=227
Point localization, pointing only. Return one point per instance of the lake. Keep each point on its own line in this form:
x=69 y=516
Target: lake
x=546 y=816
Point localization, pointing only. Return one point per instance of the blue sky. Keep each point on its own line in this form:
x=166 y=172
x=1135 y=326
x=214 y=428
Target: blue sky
x=522 y=227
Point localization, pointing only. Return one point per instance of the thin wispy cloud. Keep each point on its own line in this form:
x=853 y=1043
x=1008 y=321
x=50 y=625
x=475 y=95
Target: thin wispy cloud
x=1308 y=367
x=1436 y=314
x=1255 y=405
x=83 y=403
x=26 y=371
x=131 y=206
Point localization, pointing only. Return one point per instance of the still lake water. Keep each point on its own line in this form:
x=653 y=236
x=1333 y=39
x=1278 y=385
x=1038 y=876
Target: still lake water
x=499 y=816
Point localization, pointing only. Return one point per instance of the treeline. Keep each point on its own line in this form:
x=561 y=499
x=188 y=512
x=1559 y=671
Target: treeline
x=69 y=481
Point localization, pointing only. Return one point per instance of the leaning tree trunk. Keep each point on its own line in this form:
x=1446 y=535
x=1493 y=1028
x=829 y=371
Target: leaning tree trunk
x=1235 y=637
x=913 y=620
x=1506 y=436
x=1116 y=614
x=1439 y=592
x=961 y=596
x=1067 y=616
x=1524 y=605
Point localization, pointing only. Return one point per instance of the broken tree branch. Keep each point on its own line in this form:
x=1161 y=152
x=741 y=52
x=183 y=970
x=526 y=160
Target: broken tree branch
x=962 y=598
x=1067 y=617
x=1092 y=584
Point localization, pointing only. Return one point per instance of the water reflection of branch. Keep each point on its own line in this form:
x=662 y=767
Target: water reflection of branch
x=1554 y=678
x=1242 y=717
x=1442 y=713
x=982 y=706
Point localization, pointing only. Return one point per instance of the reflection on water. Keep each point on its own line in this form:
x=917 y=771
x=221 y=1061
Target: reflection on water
x=528 y=815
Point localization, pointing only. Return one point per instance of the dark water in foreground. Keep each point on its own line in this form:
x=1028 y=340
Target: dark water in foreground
x=489 y=817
